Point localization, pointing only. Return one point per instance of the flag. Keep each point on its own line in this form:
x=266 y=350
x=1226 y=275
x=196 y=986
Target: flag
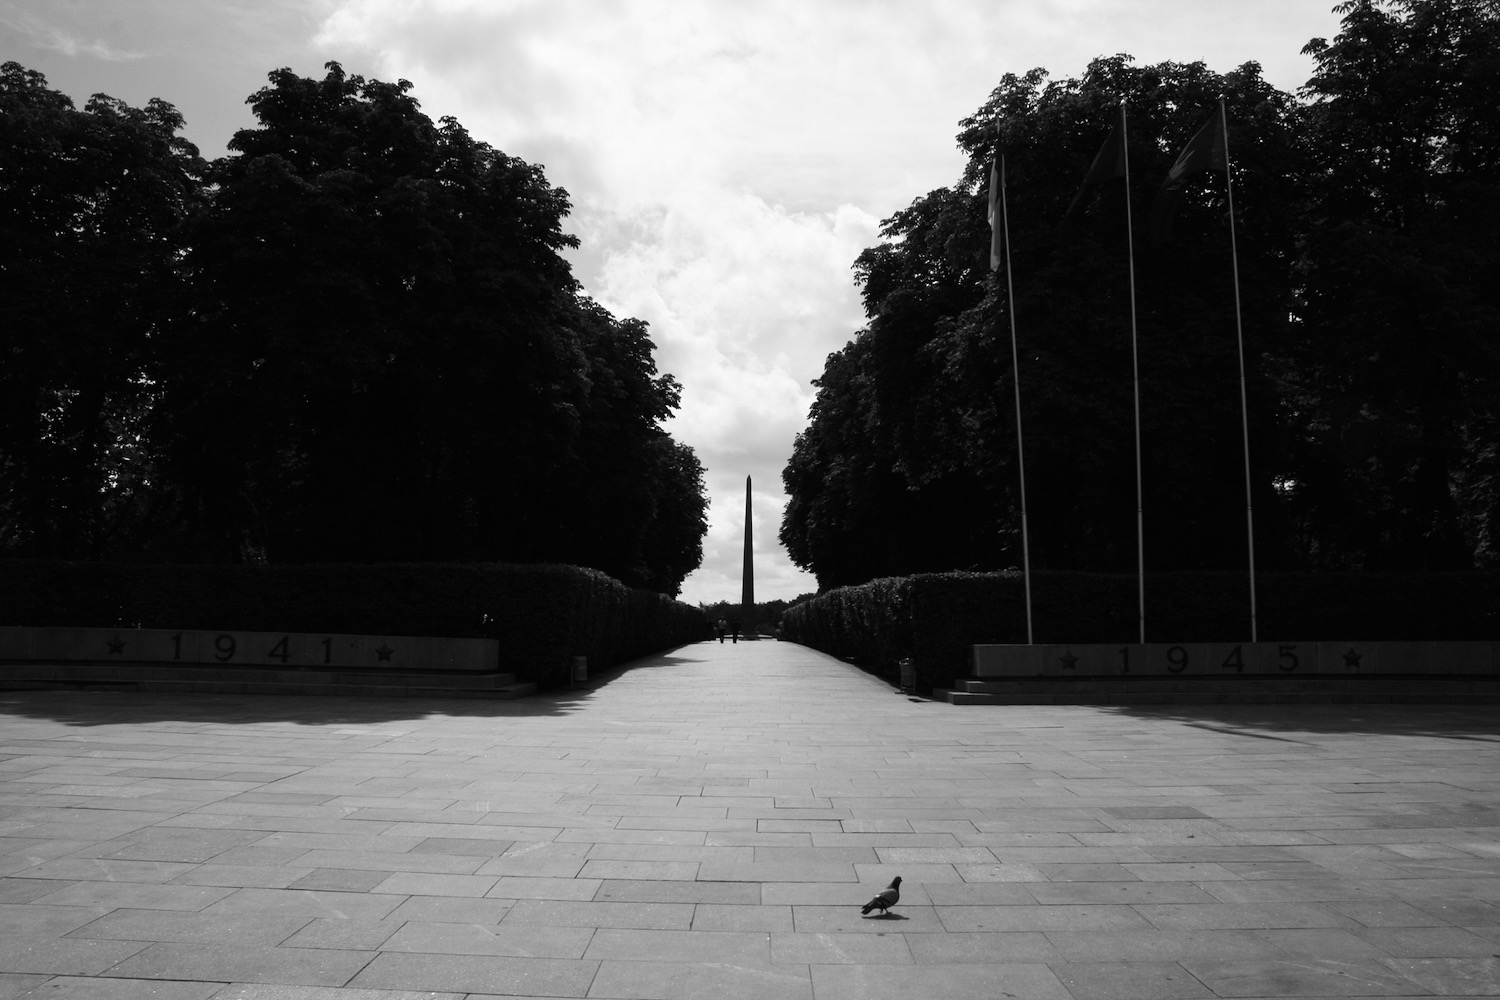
x=1204 y=151
x=1110 y=163
x=996 y=221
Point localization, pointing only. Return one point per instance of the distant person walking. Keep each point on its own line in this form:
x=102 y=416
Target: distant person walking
x=734 y=630
x=722 y=627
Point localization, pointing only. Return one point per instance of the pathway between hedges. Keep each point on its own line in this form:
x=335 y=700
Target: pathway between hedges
x=707 y=823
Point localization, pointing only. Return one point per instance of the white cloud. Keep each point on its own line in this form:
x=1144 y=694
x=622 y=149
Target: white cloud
x=808 y=104
x=744 y=300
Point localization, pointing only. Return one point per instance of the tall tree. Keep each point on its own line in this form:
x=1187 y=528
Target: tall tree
x=632 y=499
x=1397 y=370
x=388 y=357
x=374 y=352
x=672 y=545
x=932 y=415
x=91 y=203
x=354 y=339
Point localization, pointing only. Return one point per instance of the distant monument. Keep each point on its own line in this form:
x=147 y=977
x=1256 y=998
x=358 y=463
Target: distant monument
x=747 y=591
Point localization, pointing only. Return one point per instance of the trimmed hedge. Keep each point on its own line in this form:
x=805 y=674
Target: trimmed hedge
x=936 y=617
x=543 y=615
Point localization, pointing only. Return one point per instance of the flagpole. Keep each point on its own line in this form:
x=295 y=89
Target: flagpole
x=1015 y=363
x=1239 y=329
x=1140 y=517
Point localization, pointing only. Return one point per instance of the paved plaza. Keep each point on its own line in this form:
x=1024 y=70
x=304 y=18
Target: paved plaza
x=707 y=825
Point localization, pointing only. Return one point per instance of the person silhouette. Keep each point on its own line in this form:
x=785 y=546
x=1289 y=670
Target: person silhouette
x=722 y=627
x=734 y=630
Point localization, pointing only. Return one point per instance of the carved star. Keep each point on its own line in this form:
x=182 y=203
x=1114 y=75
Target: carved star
x=384 y=652
x=116 y=646
x=1351 y=658
x=1068 y=661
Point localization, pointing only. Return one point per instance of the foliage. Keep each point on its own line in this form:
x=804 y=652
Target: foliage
x=90 y=207
x=353 y=339
x=1392 y=390
x=630 y=496
x=543 y=615
x=909 y=460
x=1369 y=319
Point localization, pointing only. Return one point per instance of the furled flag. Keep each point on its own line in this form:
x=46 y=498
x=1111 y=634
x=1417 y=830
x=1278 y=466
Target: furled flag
x=995 y=217
x=1204 y=151
x=1108 y=164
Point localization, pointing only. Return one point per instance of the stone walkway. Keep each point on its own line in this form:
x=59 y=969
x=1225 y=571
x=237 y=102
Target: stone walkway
x=707 y=824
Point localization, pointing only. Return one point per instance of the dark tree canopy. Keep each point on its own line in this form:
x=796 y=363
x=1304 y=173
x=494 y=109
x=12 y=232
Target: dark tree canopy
x=1365 y=250
x=353 y=339
x=1395 y=381
x=91 y=203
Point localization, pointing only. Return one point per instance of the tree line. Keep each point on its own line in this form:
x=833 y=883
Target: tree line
x=352 y=339
x=1364 y=209
x=765 y=613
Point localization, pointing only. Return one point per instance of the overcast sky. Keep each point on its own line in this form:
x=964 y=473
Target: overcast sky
x=727 y=161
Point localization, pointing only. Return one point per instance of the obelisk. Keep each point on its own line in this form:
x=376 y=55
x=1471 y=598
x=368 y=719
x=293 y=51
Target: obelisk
x=747 y=590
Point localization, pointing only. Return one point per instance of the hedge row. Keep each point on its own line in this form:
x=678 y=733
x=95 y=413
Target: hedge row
x=543 y=615
x=936 y=617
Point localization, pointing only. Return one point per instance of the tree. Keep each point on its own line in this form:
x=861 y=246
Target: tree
x=354 y=339
x=1392 y=394
x=672 y=546
x=91 y=203
x=1366 y=264
x=633 y=498
x=388 y=357
x=913 y=429
x=372 y=366
x=852 y=514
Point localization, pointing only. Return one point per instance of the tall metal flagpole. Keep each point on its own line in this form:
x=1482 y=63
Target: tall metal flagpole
x=1015 y=368
x=1239 y=328
x=1140 y=517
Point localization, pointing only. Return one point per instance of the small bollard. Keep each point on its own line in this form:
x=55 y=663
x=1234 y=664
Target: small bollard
x=580 y=670
x=908 y=674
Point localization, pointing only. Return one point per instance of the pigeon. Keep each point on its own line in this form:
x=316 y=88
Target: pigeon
x=885 y=898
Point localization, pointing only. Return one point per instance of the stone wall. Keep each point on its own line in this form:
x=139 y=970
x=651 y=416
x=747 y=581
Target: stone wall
x=1221 y=658
x=272 y=650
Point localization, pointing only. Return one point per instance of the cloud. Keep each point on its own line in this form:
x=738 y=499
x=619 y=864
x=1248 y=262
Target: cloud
x=43 y=34
x=789 y=99
x=745 y=300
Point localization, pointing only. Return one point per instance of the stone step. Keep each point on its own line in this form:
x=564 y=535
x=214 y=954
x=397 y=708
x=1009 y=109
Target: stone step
x=972 y=698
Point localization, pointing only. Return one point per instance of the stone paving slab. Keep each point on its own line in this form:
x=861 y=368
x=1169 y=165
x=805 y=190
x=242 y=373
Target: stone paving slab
x=708 y=823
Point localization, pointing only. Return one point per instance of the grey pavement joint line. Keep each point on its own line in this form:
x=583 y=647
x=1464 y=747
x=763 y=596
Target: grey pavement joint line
x=708 y=823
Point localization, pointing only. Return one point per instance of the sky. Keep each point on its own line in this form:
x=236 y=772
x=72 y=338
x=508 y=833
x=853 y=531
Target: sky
x=727 y=160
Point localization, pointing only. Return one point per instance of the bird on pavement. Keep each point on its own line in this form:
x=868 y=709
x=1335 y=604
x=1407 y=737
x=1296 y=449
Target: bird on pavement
x=885 y=898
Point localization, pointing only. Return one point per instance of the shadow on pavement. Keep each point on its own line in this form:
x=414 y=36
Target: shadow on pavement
x=1458 y=722
x=93 y=707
